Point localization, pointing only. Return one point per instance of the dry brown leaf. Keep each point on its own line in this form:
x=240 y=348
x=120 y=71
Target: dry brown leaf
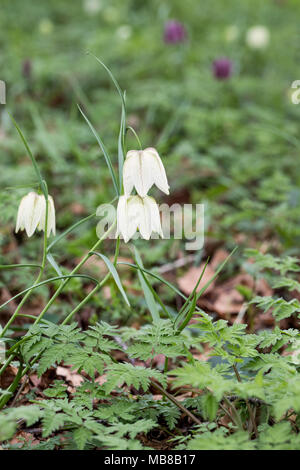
x=106 y=292
x=101 y=379
x=157 y=397
x=228 y=302
x=77 y=208
x=70 y=375
x=219 y=258
x=8 y=376
x=22 y=436
x=188 y=281
x=35 y=380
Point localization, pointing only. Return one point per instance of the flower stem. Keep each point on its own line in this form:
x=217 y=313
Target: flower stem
x=96 y=288
x=75 y=270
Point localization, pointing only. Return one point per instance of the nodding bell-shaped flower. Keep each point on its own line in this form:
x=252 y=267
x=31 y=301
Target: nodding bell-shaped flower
x=142 y=169
x=258 y=37
x=32 y=214
x=136 y=213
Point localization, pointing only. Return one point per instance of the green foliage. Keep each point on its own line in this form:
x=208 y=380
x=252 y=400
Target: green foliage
x=9 y=418
x=280 y=308
x=218 y=440
x=268 y=261
x=277 y=437
x=232 y=145
x=228 y=342
x=137 y=376
x=158 y=338
x=56 y=343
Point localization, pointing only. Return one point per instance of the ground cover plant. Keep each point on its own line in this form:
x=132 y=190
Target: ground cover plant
x=130 y=344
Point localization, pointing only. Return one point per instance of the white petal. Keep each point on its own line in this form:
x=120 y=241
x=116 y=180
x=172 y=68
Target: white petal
x=51 y=217
x=153 y=209
x=20 y=216
x=130 y=171
x=125 y=225
x=153 y=166
x=135 y=174
x=41 y=210
x=143 y=218
x=135 y=215
x=32 y=212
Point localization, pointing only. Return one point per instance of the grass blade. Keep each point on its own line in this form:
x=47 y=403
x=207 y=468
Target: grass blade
x=102 y=147
x=150 y=301
x=114 y=274
x=32 y=158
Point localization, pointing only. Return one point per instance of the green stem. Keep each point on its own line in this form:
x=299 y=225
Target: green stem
x=79 y=265
x=235 y=416
x=11 y=389
x=96 y=288
x=166 y=365
x=252 y=417
x=12 y=266
x=85 y=300
x=13 y=386
x=177 y=403
x=129 y=128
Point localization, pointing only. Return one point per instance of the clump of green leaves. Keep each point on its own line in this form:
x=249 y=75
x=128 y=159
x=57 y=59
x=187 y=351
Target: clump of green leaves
x=246 y=380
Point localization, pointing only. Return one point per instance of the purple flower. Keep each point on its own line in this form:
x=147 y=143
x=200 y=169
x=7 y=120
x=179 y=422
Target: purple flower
x=222 y=68
x=174 y=32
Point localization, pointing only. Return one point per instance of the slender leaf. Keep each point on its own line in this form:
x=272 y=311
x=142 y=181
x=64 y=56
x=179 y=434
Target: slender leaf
x=146 y=289
x=102 y=147
x=47 y=281
x=33 y=160
x=114 y=274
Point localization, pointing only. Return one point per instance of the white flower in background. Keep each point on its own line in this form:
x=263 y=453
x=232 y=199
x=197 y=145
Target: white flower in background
x=32 y=214
x=92 y=6
x=142 y=169
x=231 y=33
x=124 y=32
x=258 y=37
x=136 y=213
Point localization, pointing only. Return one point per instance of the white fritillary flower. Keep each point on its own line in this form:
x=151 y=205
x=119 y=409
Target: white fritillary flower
x=137 y=213
x=32 y=214
x=142 y=169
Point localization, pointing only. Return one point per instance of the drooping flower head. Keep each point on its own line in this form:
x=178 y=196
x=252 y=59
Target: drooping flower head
x=222 y=68
x=137 y=213
x=142 y=169
x=257 y=37
x=174 y=32
x=32 y=214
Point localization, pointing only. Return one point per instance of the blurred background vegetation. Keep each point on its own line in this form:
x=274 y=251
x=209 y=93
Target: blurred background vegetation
x=231 y=144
